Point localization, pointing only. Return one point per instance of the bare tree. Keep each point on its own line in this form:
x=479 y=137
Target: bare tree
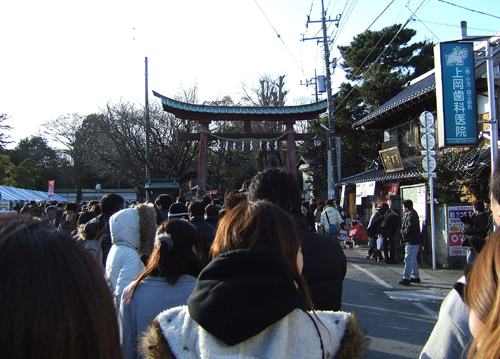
x=117 y=143
x=65 y=131
x=269 y=91
x=4 y=138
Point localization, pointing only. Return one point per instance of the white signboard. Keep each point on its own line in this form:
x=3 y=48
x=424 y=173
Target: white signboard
x=364 y=189
x=4 y=206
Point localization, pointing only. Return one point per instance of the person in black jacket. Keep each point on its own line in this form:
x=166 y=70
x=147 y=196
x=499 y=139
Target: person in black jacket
x=309 y=215
x=388 y=230
x=410 y=236
x=325 y=263
x=196 y=212
x=475 y=227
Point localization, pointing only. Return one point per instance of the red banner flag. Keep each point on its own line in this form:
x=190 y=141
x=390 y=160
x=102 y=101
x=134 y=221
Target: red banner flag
x=51 y=189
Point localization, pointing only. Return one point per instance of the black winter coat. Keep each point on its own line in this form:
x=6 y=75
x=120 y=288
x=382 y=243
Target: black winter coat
x=477 y=226
x=207 y=231
x=410 y=229
x=325 y=266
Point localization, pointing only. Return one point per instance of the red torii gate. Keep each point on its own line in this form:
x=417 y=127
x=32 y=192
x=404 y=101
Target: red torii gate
x=204 y=114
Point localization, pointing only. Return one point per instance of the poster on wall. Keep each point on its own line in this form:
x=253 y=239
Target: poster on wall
x=454 y=229
x=390 y=189
x=364 y=189
x=418 y=195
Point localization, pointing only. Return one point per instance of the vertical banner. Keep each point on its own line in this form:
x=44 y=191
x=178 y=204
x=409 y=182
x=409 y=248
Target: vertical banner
x=51 y=189
x=454 y=226
x=455 y=94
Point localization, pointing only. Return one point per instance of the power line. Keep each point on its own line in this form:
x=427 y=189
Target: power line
x=479 y=12
x=346 y=17
x=373 y=22
x=455 y=25
x=311 y=9
x=417 y=19
x=279 y=37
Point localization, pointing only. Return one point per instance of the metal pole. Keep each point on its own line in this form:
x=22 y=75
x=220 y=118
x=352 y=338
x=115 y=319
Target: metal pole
x=491 y=90
x=146 y=125
x=433 y=228
x=332 y=158
x=316 y=85
x=492 y=100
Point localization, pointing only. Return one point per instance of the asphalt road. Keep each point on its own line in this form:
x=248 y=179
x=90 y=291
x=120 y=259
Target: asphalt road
x=398 y=319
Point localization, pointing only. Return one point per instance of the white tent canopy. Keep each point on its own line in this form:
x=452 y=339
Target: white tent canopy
x=20 y=194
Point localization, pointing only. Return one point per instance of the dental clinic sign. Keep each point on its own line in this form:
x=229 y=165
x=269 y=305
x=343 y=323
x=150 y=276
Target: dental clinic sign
x=455 y=94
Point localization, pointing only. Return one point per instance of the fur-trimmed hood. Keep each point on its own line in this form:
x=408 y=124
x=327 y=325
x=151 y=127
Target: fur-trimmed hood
x=135 y=228
x=174 y=335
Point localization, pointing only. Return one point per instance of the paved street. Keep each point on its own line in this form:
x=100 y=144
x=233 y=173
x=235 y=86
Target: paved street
x=398 y=319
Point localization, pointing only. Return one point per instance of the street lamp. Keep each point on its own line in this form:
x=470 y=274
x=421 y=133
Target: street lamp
x=98 y=188
x=317 y=140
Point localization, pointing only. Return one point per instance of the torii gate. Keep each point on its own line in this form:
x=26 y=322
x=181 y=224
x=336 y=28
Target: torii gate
x=205 y=114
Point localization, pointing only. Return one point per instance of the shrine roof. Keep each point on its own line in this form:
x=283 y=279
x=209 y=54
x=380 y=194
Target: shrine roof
x=240 y=113
x=419 y=88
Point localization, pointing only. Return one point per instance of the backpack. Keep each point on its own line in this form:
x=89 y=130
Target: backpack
x=334 y=229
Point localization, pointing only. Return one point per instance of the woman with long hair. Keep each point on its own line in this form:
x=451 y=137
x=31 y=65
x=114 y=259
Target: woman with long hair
x=167 y=281
x=482 y=295
x=252 y=301
x=55 y=301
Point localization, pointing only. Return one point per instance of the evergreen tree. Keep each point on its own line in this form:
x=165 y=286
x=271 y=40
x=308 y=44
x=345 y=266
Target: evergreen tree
x=378 y=65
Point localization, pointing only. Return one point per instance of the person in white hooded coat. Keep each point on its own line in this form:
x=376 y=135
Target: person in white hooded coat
x=330 y=216
x=132 y=234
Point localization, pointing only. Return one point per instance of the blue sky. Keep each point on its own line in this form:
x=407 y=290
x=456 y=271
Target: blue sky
x=62 y=57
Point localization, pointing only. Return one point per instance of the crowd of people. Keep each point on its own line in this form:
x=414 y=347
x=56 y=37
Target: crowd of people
x=260 y=275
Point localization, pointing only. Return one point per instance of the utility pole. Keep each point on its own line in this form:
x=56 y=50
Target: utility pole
x=314 y=81
x=147 y=128
x=493 y=121
x=332 y=149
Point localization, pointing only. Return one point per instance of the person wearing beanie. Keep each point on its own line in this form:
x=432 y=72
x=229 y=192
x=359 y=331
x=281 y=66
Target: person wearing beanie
x=178 y=210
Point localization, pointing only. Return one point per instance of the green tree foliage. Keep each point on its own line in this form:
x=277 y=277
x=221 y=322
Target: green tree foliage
x=381 y=62
x=6 y=168
x=51 y=164
x=359 y=146
x=25 y=175
x=378 y=64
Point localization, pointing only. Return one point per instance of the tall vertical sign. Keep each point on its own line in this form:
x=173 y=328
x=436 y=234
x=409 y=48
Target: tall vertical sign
x=50 y=189
x=455 y=94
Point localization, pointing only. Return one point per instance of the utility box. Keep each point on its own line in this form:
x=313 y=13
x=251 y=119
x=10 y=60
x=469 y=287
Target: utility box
x=321 y=84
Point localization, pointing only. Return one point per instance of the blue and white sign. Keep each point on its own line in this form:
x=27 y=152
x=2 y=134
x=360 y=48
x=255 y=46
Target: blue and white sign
x=455 y=94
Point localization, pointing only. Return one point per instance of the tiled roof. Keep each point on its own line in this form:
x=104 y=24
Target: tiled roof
x=414 y=91
x=193 y=111
x=412 y=169
x=467 y=160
